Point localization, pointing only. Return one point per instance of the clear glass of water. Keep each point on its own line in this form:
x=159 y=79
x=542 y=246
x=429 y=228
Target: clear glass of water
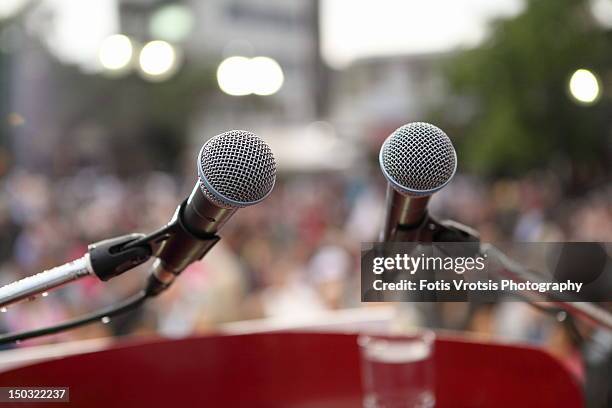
x=398 y=371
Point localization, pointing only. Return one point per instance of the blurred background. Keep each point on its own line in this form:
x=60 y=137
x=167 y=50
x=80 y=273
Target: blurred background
x=104 y=104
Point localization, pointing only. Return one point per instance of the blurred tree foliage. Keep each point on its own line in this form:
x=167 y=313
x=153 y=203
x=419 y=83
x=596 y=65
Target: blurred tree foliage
x=516 y=87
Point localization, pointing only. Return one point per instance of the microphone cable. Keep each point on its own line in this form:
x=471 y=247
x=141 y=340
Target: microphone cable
x=126 y=305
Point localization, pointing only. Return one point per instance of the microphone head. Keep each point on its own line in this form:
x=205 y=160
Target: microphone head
x=418 y=159
x=236 y=169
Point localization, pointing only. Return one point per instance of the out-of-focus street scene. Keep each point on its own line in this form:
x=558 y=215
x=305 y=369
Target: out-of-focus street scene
x=104 y=106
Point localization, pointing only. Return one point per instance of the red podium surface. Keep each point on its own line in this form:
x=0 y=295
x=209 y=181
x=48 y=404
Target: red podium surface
x=289 y=369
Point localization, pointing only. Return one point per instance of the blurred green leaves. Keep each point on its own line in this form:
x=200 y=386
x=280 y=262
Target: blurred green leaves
x=523 y=117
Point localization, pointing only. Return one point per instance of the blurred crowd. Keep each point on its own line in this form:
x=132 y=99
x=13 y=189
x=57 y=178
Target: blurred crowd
x=291 y=257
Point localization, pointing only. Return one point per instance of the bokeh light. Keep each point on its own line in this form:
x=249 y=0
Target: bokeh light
x=115 y=53
x=233 y=76
x=157 y=59
x=243 y=76
x=267 y=76
x=584 y=86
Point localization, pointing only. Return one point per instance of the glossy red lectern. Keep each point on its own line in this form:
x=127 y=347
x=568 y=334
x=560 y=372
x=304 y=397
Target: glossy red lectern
x=289 y=369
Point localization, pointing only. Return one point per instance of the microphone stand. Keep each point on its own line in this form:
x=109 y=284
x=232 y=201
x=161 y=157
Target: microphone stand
x=585 y=311
x=430 y=230
x=174 y=246
x=104 y=259
x=30 y=287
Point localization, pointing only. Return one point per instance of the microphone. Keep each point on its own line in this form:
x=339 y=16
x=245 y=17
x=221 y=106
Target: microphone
x=236 y=169
x=417 y=160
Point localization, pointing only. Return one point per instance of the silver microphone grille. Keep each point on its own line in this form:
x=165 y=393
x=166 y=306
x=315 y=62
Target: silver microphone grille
x=418 y=159
x=236 y=169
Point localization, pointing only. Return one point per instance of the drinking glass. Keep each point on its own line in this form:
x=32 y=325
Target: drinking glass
x=398 y=371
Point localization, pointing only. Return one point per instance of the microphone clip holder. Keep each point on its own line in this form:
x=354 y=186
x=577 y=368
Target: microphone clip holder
x=174 y=244
x=111 y=257
x=429 y=230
